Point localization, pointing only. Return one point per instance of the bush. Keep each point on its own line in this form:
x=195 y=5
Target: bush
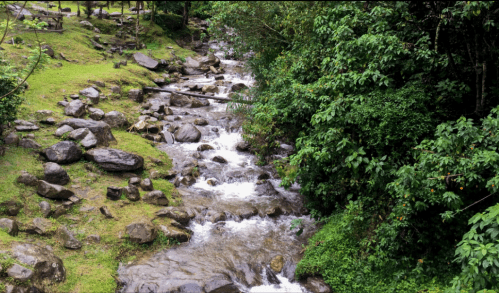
x=169 y=21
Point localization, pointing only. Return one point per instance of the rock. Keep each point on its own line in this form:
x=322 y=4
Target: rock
x=96 y=30
x=59 y=211
x=12 y=139
x=55 y=174
x=10 y=226
x=188 y=133
x=146 y=185
x=199 y=64
x=242 y=146
x=27 y=179
x=45 y=208
x=246 y=212
x=179 y=100
x=115 y=14
x=263 y=176
x=66 y=9
x=74 y=97
x=132 y=193
x=134 y=181
x=277 y=263
x=90 y=141
x=141 y=232
x=44 y=112
x=152 y=128
x=167 y=137
x=23 y=128
x=217 y=217
x=63 y=103
x=160 y=81
x=212 y=182
x=86 y=24
x=90 y=92
x=220 y=284
x=64 y=152
x=274 y=211
x=200 y=122
x=136 y=95
x=106 y=212
x=317 y=285
x=205 y=147
x=75 y=108
x=116 y=89
x=210 y=88
x=219 y=159
x=101 y=130
x=19 y=273
x=156 y=197
x=115 y=160
x=103 y=13
x=68 y=239
x=39 y=226
x=29 y=144
x=188 y=180
x=176 y=213
x=190 y=288
x=113 y=192
x=48 y=121
x=94 y=238
x=237 y=87
x=180 y=236
x=48 y=50
x=116 y=119
x=267 y=189
x=195 y=103
x=219 y=77
x=289 y=271
x=95 y=114
x=10 y=208
x=145 y=61
x=97 y=45
x=78 y=134
x=53 y=191
x=63 y=129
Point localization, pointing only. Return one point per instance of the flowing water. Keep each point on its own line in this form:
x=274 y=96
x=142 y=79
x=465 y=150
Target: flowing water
x=242 y=246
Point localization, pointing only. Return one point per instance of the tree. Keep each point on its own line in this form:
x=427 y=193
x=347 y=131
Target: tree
x=185 y=15
x=78 y=12
x=88 y=6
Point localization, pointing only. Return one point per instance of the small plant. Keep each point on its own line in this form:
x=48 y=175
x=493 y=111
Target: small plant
x=182 y=59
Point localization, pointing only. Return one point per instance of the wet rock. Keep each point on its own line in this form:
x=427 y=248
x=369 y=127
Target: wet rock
x=277 y=263
x=95 y=113
x=271 y=276
x=210 y=88
x=220 y=284
x=205 y=147
x=195 y=103
x=53 y=191
x=274 y=212
x=167 y=137
x=187 y=171
x=27 y=179
x=263 y=176
x=160 y=81
x=106 y=212
x=75 y=108
x=101 y=130
x=219 y=77
x=116 y=119
x=188 y=180
x=90 y=141
x=176 y=213
x=134 y=181
x=68 y=239
x=238 y=86
x=29 y=144
x=246 y=212
x=288 y=270
x=45 y=208
x=115 y=160
x=217 y=217
x=145 y=61
x=9 y=225
x=180 y=236
x=113 y=192
x=10 y=208
x=78 y=134
x=190 y=288
x=179 y=100
x=12 y=139
x=141 y=232
x=19 y=273
x=317 y=285
x=266 y=189
x=136 y=95
x=63 y=129
x=132 y=192
x=94 y=238
x=200 y=122
x=151 y=128
x=242 y=146
x=64 y=152
x=146 y=185
x=90 y=92
x=212 y=182
x=219 y=159
x=55 y=174
x=199 y=64
x=156 y=197
x=39 y=226
x=188 y=133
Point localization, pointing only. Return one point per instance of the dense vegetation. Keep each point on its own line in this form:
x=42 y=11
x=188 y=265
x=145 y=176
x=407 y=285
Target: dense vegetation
x=393 y=109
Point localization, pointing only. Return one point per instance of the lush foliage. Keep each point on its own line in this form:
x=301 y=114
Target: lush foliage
x=358 y=87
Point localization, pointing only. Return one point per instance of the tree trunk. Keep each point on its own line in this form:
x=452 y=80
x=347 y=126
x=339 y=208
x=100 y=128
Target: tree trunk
x=107 y=5
x=153 y=11
x=60 y=8
x=185 y=18
x=88 y=4
x=78 y=12
x=137 y=43
x=478 y=108
x=100 y=12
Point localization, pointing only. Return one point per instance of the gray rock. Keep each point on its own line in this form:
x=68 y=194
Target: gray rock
x=94 y=238
x=200 y=122
x=89 y=92
x=205 y=147
x=74 y=97
x=104 y=13
x=97 y=45
x=20 y=273
x=114 y=193
x=27 y=179
x=10 y=225
x=66 y=9
x=218 y=217
x=29 y=144
x=145 y=61
x=199 y=64
x=78 y=134
x=64 y=152
x=44 y=112
x=86 y=24
x=95 y=114
x=48 y=121
x=68 y=239
x=188 y=133
x=63 y=129
x=146 y=185
x=75 y=108
x=53 y=191
x=219 y=77
x=116 y=89
x=106 y=212
x=48 y=50
x=242 y=146
x=180 y=236
x=188 y=180
x=63 y=103
x=23 y=128
x=10 y=208
x=317 y=285
x=116 y=119
x=210 y=88
x=156 y=197
x=219 y=159
x=39 y=226
x=288 y=270
x=266 y=189
x=179 y=100
x=12 y=139
x=132 y=193
x=47 y=267
x=237 y=87
x=190 y=288
x=167 y=137
x=45 y=208
x=141 y=232
x=178 y=214
x=134 y=181
x=90 y=141
x=115 y=160
x=136 y=95
x=55 y=174
x=100 y=129
x=220 y=284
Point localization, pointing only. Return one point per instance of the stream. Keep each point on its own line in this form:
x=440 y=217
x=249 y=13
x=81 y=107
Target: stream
x=239 y=226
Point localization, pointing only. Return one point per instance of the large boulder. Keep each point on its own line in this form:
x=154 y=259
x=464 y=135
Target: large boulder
x=176 y=213
x=90 y=141
x=27 y=179
x=28 y=143
x=266 y=189
x=20 y=273
x=131 y=192
x=62 y=130
x=39 y=226
x=180 y=100
x=19 y=12
x=104 y=13
x=180 y=236
x=100 y=129
x=95 y=114
x=64 y=152
x=53 y=191
x=141 y=232
x=90 y=92
x=220 y=284
x=156 y=197
x=115 y=160
x=145 y=61
x=116 y=119
x=78 y=134
x=317 y=285
x=55 y=174
x=12 y=139
x=75 y=108
x=199 y=64
x=10 y=225
x=210 y=88
x=188 y=133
